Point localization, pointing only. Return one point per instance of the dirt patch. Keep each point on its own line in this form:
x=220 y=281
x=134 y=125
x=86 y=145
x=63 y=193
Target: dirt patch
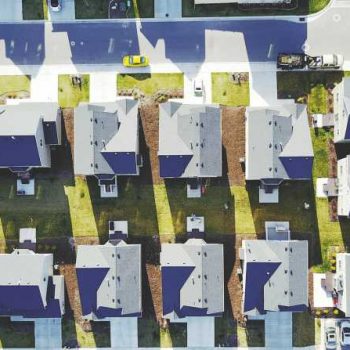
x=233 y=138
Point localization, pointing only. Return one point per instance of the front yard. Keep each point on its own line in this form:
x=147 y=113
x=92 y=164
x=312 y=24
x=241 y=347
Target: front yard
x=230 y=89
x=34 y=9
x=69 y=94
x=150 y=84
x=14 y=86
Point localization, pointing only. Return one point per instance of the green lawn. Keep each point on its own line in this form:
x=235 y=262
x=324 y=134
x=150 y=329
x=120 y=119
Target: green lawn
x=98 y=9
x=302 y=7
x=305 y=329
x=16 y=334
x=14 y=86
x=226 y=92
x=69 y=96
x=308 y=87
x=150 y=84
x=34 y=9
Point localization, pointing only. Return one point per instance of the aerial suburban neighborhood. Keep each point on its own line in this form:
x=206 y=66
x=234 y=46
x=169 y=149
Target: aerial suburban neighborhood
x=175 y=174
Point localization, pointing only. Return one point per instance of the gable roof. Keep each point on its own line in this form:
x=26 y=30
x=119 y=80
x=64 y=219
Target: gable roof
x=28 y=287
x=275 y=276
x=190 y=131
x=22 y=140
x=104 y=132
x=192 y=279
x=109 y=278
x=275 y=135
x=343 y=175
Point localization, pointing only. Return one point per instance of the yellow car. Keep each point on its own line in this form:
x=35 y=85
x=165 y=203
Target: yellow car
x=135 y=61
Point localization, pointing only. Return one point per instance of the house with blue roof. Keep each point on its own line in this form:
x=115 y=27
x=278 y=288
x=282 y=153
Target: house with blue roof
x=278 y=147
x=106 y=142
x=341 y=111
x=275 y=274
x=28 y=287
x=27 y=132
x=190 y=140
x=192 y=280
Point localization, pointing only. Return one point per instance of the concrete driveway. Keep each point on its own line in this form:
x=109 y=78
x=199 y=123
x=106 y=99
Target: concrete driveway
x=67 y=12
x=10 y=10
x=200 y=331
x=167 y=8
x=48 y=333
x=279 y=330
x=124 y=332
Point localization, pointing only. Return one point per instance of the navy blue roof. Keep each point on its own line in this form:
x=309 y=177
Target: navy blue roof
x=22 y=300
x=50 y=132
x=294 y=308
x=19 y=151
x=257 y=274
x=298 y=167
x=173 y=165
x=122 y=163
x=347 y=130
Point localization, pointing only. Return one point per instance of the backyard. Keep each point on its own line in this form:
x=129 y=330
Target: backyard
x=14 y=86
x=230 y=89
x=71 y=93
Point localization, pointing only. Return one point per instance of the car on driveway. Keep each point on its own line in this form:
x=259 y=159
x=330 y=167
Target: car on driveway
x=198 y=87
x=55 y=5
x=330 y=337
x=135 y=61
x=345 y=333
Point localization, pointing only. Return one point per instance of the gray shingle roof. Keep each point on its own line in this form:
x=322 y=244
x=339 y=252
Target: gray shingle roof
x=121 y=288
x=189 y=129
x=280 y=131
x=288 y=285
x=110 y=127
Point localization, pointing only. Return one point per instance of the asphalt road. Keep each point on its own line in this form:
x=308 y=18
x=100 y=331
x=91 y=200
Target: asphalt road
x=173 y=42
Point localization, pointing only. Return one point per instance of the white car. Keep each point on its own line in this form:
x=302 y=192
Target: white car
x=198 y=87
x=330 y=338
x=55 y=5
x=345 y=333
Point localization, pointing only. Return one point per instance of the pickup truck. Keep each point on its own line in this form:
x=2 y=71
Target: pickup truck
x=303 y=61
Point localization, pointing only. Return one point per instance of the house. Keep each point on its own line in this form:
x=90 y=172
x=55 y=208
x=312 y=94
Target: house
x=278 y=147
x=341 y=110
x=275 y=274
x=28 y=287
x=109 y=280
x=107 y=142
x=192 y=279
x=332 y=289
x=27 y=132
x=343 y=187
x=190 y=143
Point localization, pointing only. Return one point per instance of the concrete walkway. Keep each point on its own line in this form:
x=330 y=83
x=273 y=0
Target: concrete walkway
x=48 y=334
x=279 y=330
x=103 y=87
x=168 y=8
x=11 y=10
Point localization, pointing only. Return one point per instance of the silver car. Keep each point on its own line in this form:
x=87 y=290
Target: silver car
x=55 y=5
x=330 y=338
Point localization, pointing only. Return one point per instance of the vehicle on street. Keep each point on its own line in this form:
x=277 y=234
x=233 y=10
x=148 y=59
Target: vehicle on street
x=302 y=61
x=55 y=5
x=135 y=61
x=198 y=87
x=330 y=337
x=345 y=333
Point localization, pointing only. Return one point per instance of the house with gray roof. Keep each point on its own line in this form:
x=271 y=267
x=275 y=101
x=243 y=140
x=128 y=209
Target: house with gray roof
x=27 y=132
x=275 y=276
x=190 y=140
x=343 y=187
x=28 y=287
x=278 y=147
x=106 y=142
x=192 y=280
x=109 y=280
x=341 y=111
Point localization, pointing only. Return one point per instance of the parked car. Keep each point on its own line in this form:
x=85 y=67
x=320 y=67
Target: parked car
x=330 y=337
x=135 y=61
x=302 y=61
x=55 y=5
x=326 y=62
x=291 y=61
x=198 y=87
x=345 y=333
